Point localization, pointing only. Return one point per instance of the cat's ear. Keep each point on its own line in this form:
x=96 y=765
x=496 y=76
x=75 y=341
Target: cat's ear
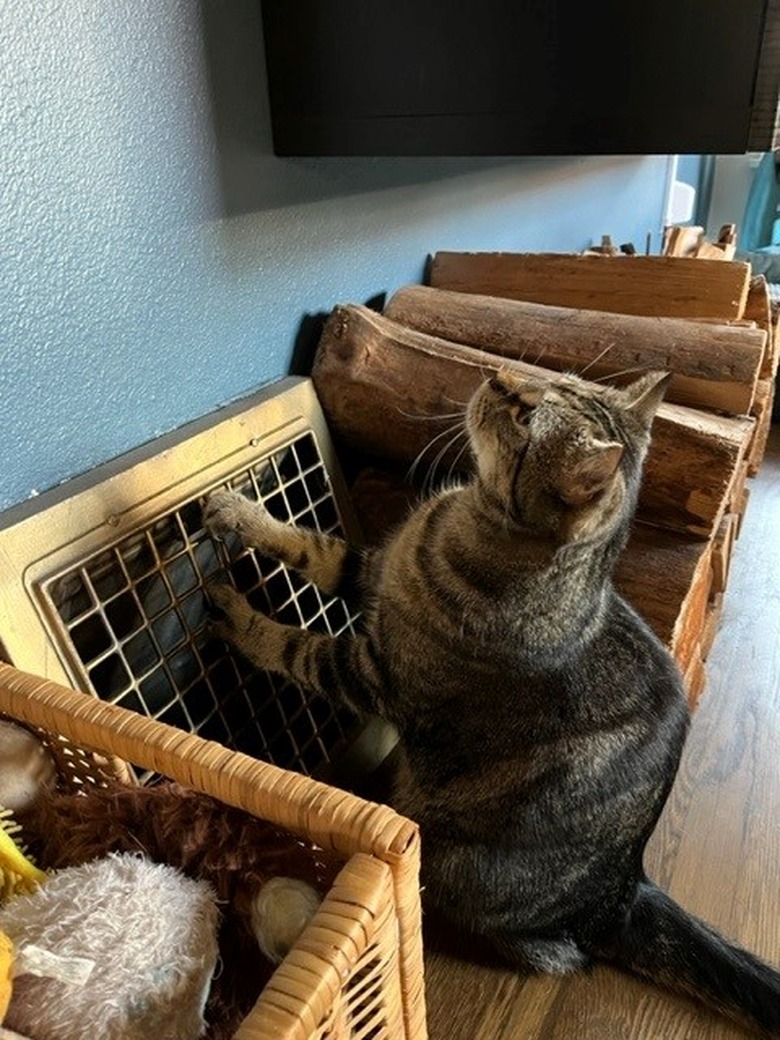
x=589 y=475
x=645 y=395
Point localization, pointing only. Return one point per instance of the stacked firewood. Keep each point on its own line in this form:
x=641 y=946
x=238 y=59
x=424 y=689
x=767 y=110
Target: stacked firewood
x=691 y=241
x=392 y=384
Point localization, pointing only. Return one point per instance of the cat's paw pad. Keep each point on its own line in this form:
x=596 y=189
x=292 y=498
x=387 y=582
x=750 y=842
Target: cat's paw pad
x=226 y=511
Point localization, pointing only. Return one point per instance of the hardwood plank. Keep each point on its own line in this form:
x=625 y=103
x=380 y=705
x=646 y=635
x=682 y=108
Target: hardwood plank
x=733 y=748
x=717 y=845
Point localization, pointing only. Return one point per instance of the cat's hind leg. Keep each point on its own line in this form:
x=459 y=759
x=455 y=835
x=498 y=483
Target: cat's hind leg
x=324 y=559
x=552 y=956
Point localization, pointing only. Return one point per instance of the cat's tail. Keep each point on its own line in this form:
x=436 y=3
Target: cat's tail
x=660 y=941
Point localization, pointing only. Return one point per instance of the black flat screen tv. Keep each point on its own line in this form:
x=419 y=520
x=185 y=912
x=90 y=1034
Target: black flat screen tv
x=530 y=77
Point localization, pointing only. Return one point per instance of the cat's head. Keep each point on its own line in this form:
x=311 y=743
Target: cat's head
x=564 y=457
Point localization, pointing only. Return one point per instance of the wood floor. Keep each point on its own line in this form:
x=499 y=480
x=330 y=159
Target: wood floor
x=717 y=846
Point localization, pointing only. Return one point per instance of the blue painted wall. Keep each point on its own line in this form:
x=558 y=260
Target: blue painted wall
x=156 y=260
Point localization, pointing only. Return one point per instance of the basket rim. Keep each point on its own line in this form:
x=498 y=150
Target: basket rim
x=334 y=819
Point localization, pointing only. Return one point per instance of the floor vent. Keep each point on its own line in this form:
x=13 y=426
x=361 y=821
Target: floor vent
x=104 y=580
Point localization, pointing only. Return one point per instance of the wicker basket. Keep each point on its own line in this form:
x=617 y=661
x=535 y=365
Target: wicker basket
x=356 y=971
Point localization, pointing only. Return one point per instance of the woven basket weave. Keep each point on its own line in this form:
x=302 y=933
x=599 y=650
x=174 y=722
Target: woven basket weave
x=356 y=972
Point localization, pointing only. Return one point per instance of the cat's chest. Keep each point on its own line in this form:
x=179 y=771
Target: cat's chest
x=472 y=601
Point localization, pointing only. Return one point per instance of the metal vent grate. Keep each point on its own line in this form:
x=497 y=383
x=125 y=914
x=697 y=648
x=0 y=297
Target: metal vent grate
x=137 y=618
x=103 y=585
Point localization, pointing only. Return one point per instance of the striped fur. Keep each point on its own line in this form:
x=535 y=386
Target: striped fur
x=541 y=721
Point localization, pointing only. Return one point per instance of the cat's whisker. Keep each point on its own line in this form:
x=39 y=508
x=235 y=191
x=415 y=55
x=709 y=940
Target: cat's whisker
x=511 y=356
x=623 y=372
x=419 y=457
x=461 y=451
x=430 y=416
x=595 y=360
x=430 y=477
x=488 y=373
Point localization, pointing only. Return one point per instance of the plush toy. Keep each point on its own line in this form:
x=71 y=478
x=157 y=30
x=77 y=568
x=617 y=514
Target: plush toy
x=6 y=972
x=267 y=881
x=120 y=948
x=17 y=874
x=279 y=911
x=26 y=771
x=17 y=871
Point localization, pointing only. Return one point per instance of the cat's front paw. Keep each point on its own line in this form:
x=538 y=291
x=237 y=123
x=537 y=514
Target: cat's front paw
x=227 y=511
x=235 y=614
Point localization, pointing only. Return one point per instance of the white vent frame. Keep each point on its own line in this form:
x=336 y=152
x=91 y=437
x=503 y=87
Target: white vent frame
x=63 y=532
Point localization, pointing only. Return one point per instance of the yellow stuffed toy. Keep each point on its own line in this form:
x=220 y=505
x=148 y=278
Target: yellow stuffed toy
x=17 y=873
x=6 y=973
x=27 y=771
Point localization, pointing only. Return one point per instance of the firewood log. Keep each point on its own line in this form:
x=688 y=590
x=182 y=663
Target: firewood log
x=758 y=308
x=387 y=391
x=670 y=286
x=722 y=547
x=681 y=240
x=762 y=409
x=667 y=577
x=736 y=498
x=715 y=251
x=715 y=366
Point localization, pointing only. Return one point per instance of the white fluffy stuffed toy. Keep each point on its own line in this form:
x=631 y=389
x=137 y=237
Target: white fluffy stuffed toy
x=117 y=949
x=280 y=911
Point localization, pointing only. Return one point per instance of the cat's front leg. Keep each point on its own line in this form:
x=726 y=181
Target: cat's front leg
x=341 y=668
x=323 y=559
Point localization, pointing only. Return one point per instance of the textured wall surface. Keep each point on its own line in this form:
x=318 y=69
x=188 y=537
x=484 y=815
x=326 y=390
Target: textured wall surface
x=156 y=259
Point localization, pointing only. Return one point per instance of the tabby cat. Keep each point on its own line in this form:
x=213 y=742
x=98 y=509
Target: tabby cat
x=541 y=721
